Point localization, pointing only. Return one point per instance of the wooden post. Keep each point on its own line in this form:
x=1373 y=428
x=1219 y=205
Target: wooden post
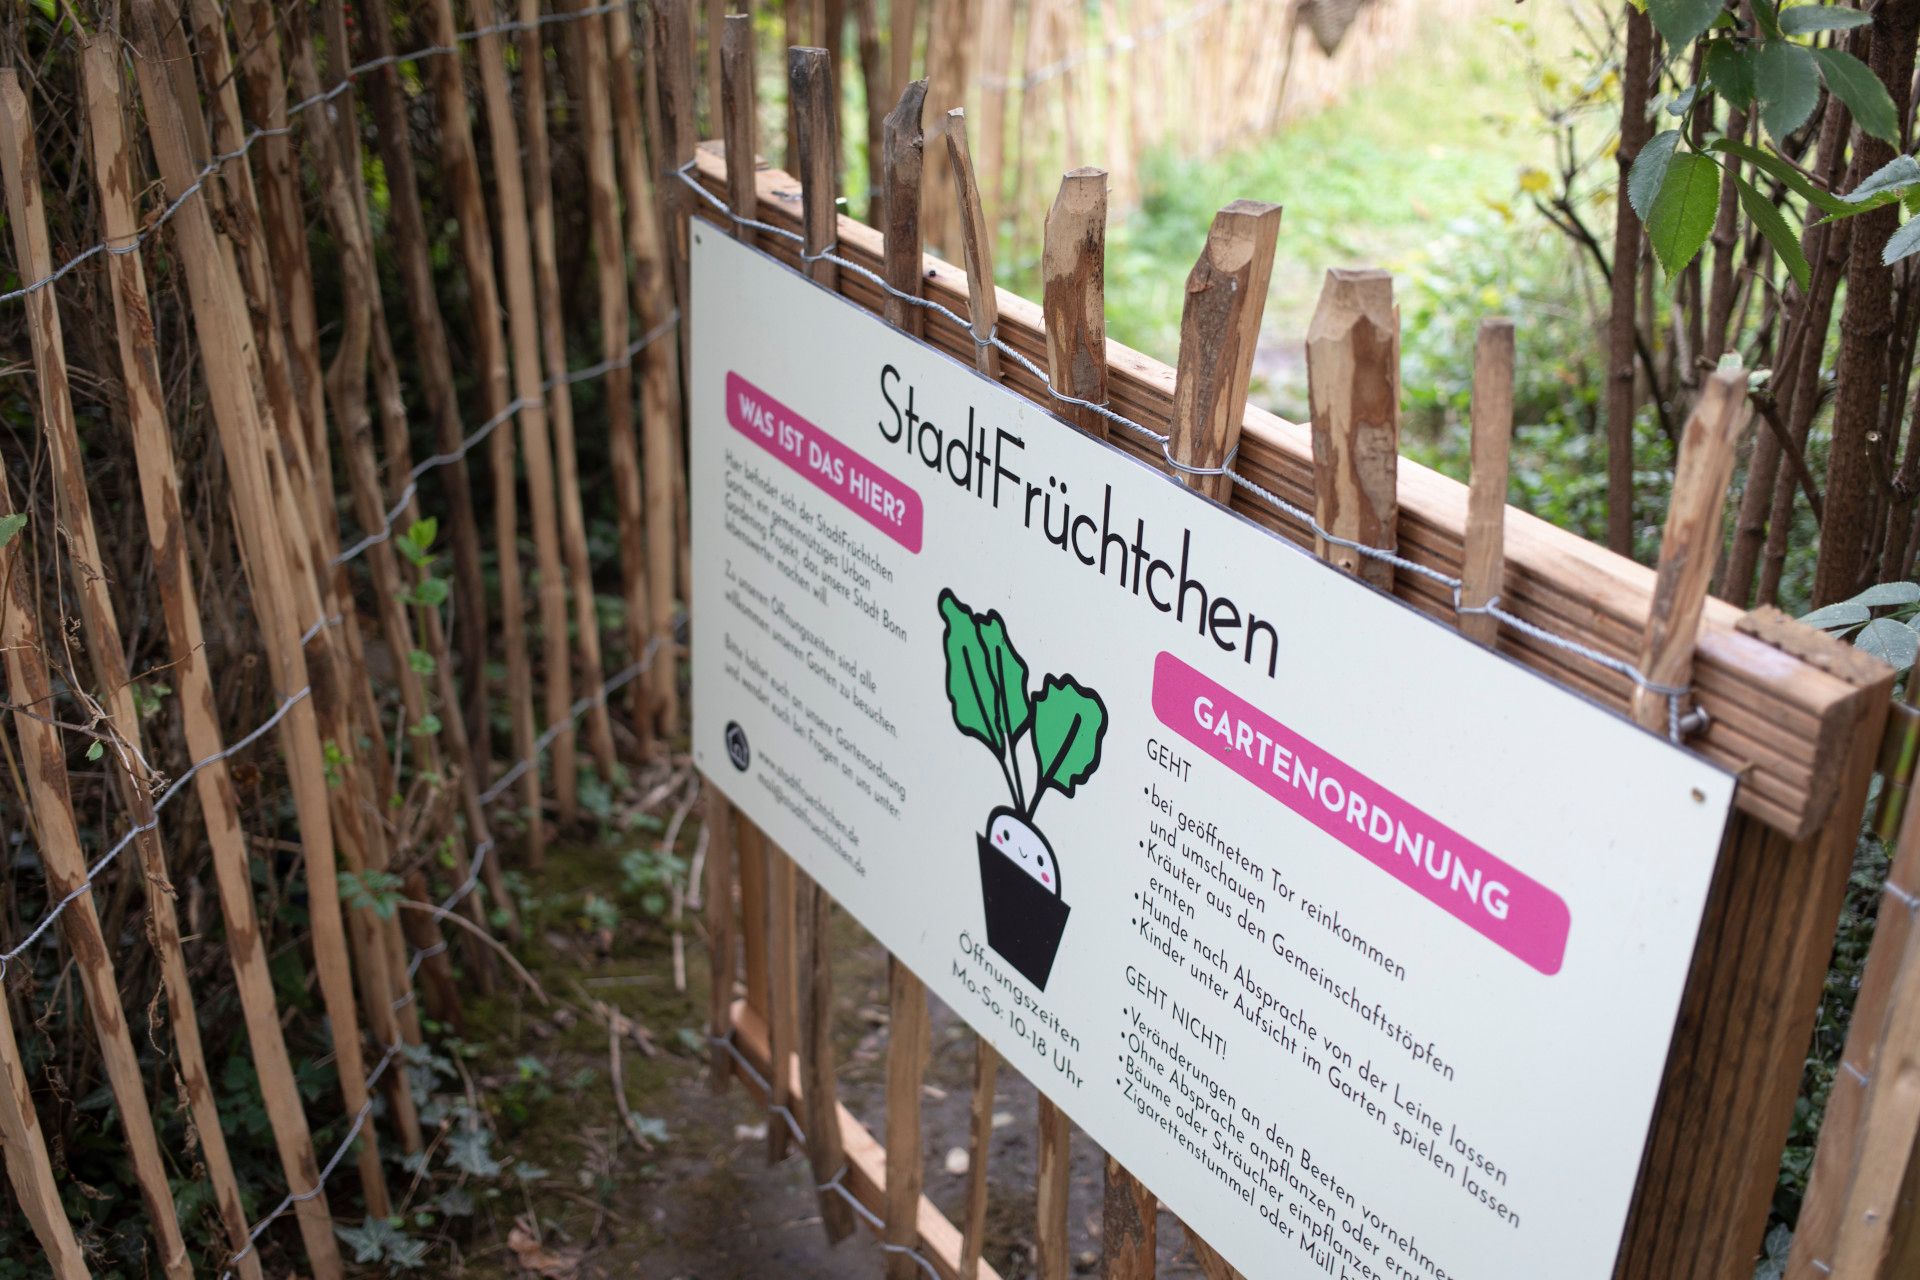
x=609 y=256
x=1129 y=1225
x=669 y=558
x=908 y=1045
x=43 y=761
x=516 y=255
x=460 y=166
x=1353 y=381
x=673 y=46
x=219 y=312
x=976 y=238
x=1219 y=329
x=437 y=986
x=877 y=84
x=1073 y=275
x=811 y=84
x=1690 y=544
x=1858 y=1214
x=901 y=168
x=737 y=117
x=407 y=236
x=26 y=210
x=1483 y=561
x=973 y=1229
x=722 y=957
x=1050 y=1199
x=783 y=996
x=553 y=347
x=25 y=1146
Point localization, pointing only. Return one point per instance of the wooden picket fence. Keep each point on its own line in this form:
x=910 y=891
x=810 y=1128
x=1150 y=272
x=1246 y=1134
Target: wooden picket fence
x=1804 y=720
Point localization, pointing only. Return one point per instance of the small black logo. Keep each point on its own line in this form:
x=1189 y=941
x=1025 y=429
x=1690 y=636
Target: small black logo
x=737 y=749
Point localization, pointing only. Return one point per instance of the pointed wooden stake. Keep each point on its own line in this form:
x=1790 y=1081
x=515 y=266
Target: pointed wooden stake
x=739 y=108
x=976 y=239
x=1690 y=544
x=1483 y=563
x=1219 y=330
x=811 y=86
x=973 y=1230
x=902 y=166
x=1353 y=381
x=1073 y=276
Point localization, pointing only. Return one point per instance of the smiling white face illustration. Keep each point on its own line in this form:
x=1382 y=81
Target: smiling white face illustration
x=1025 y=847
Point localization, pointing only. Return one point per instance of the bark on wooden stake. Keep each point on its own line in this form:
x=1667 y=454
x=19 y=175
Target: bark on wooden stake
x=407 y=235
x=26 y=210
x=638 y=561
x=1219 y=328
x=21 y=1140
x=973 y=1228
x=1073 y=275
x=1129 y=1225
x=1690 y=544
x=1353 y=382
x=1050 y=1199
x=738 y=117
x=1483 y=564
x=907 y=1049
x=553 y=347
x=901 y=167
x=811 y=85
x=219 y=311
x=673 y=45
x=669 y=558
x=437 y=985
x=783 y=995
x=825 y=1154
x=976 y=238
x=43 y=760
x=722 y=957
x=516 y=256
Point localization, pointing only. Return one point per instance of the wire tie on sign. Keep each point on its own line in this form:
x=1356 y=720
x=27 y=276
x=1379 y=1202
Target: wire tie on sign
x=1225 y=467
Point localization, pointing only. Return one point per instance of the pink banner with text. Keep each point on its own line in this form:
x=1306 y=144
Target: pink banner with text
x=872 y=494
x=1515 y=911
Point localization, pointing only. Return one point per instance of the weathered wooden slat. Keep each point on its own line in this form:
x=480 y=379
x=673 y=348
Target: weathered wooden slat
x=976 y=240
x=100 y=627
x=113 y=165
x=1073 y=280
x=1353 y=379
x=1051 y=1185
x=1484 y=554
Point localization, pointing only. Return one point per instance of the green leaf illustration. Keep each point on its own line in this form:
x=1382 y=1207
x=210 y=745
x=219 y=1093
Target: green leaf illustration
x=1069 y=722
x=986 y=679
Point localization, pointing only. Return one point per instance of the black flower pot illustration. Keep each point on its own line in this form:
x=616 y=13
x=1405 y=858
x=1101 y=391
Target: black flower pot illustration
x=1020 y=886
x=1061 y=727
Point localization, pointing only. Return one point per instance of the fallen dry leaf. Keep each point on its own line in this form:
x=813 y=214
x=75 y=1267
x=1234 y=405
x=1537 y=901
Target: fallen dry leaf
x=536 y=1259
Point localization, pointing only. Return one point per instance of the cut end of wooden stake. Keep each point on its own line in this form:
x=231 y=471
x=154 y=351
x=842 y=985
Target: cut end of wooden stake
x=902 y=126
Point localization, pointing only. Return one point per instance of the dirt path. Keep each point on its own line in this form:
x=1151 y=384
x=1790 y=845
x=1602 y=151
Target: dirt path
x=704 y=1204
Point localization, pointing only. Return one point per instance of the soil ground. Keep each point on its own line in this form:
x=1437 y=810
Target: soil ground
x=704 y=1203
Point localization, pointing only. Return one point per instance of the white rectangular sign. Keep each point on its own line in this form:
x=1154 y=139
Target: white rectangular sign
x=1361 y=946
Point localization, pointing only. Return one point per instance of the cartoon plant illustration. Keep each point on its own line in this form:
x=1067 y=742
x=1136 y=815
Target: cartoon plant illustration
x=1062 y=727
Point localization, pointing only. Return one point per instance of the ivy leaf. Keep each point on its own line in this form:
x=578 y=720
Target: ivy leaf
x=1883 y=594
x=1069 y=722
x=1894 y=176
x=1730 y=70
x=1854 y=84
x=1774 y=227
x=10 y=526
x=1650 y=170
x=1805 y=19
x=1787 y=85
x=1904 y=244
x=1680 y=22
x=1894 y=643
x=1683 y=212
x=467 y=1151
